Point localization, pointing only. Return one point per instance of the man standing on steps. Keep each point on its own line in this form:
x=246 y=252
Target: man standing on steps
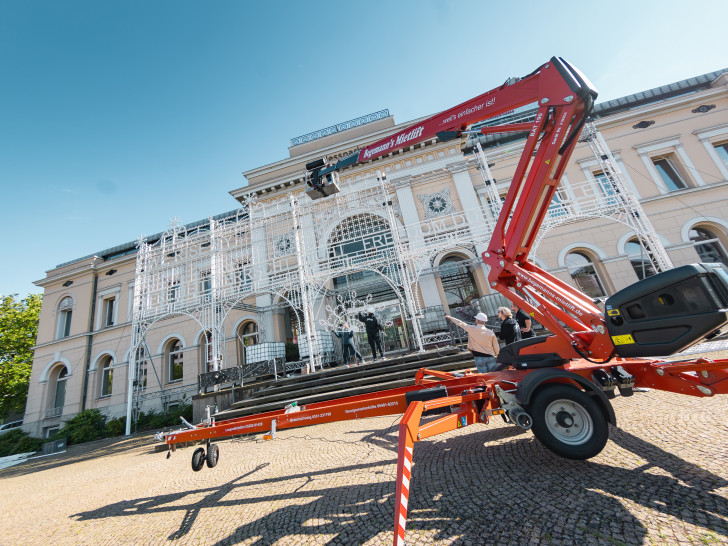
x=372 y=327
x=481 y=342
x=524 y=321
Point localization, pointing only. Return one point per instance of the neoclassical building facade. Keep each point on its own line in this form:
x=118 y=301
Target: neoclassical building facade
x=403 y=235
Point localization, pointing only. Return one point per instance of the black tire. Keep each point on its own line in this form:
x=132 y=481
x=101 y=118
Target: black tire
x=213 y=454
x=198 y=459
x=569 y=422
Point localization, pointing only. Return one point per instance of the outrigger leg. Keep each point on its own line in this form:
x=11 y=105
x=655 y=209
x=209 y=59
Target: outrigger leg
x=475 y=406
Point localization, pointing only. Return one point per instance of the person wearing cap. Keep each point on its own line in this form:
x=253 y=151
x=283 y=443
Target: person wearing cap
x=372 y=327
x=482 y=342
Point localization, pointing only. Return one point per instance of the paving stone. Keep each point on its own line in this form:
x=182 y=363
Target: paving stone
x=661 y=479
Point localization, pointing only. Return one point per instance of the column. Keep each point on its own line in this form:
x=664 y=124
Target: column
x=476 y=221
x=259 y=258
x=428 y=285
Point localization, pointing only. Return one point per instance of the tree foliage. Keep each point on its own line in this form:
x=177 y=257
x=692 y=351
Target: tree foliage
x=18 y=330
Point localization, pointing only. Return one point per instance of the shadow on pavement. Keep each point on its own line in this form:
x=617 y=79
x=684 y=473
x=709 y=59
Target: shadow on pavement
x=465 y=491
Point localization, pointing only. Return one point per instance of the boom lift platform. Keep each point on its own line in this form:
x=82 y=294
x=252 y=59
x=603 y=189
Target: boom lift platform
x=559 y=385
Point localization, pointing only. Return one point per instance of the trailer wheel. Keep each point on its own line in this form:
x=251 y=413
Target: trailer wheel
x=213 y=454
x=198 y=459
x=569 y=422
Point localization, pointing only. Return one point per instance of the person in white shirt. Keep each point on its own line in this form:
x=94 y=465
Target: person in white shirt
x=482 y=342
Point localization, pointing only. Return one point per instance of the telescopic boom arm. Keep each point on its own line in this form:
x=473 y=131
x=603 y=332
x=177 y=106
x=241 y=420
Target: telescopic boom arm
x=565 y=99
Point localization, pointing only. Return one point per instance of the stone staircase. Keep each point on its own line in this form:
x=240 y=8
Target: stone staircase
x=341 y=381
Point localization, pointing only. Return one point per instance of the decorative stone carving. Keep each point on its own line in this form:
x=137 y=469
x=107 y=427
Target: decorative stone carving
x=436 y=204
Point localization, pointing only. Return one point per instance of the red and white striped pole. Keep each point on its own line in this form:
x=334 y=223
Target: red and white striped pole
x=408 y=428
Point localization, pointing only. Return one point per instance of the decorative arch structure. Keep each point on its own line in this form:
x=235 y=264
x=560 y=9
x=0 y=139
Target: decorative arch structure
x=266 y=251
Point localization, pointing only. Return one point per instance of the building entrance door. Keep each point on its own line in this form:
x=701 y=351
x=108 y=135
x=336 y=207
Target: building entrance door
x=395 y=336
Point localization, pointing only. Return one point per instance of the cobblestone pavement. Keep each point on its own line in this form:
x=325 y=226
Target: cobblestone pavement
x=662 y=479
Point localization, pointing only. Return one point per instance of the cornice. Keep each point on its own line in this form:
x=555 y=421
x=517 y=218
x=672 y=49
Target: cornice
x=401 y=182
x=685 y=191
x=334 y=151
x=665 y=106
x=347 y=146
x=457 y=166
x=645 y=148
x=95 y=263
x=719 y=128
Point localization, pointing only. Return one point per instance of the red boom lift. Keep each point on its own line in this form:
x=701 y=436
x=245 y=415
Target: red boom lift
x=557 y=385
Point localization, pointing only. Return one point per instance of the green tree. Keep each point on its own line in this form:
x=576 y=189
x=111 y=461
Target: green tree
x=18 y=330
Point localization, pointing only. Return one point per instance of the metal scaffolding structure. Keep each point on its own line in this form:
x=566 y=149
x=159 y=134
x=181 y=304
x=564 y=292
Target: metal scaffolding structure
x=607 y=196
x=291 y=252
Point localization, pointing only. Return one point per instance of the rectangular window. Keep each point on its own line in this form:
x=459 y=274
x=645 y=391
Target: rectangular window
x=176 y=366
x=50 y=431
x=669 y=173
x=205 y=286
x=107 y=379
x=65 y=323
x=173 y=291
x=722 y=150
x=557 y=208
x=605 y=186
x=59 y=398
x=108 y=311
x=242 y=275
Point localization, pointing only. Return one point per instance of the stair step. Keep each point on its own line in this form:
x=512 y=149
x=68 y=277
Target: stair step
x=340 y=370
x=402 y=379
x=349 y=375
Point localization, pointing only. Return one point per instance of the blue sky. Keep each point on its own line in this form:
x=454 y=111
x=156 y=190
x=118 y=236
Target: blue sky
x=116 y=116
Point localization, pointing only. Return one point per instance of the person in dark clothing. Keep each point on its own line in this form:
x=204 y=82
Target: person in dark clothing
x=524 y=321
x=510 y=330
x=372 y=327
x=347 y=343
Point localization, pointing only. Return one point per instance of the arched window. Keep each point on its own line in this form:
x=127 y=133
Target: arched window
x=360 y=237
x=63 y=318
x=457 y=282
x=582 y=271
x=708 y=246
x=248 y=333
x=57 y=392
x=248 y=336
x=639 y=257
x=205 y=352
x=174 y=358
x=107 y=375
x=358 y=240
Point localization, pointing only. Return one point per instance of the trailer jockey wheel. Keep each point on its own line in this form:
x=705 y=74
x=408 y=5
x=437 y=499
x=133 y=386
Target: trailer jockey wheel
x=198 y=459
x=213 y=454
x=569 y=422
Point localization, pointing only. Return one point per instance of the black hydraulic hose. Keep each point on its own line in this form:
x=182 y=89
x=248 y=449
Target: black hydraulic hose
x=582 y=354
x=588 y=105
